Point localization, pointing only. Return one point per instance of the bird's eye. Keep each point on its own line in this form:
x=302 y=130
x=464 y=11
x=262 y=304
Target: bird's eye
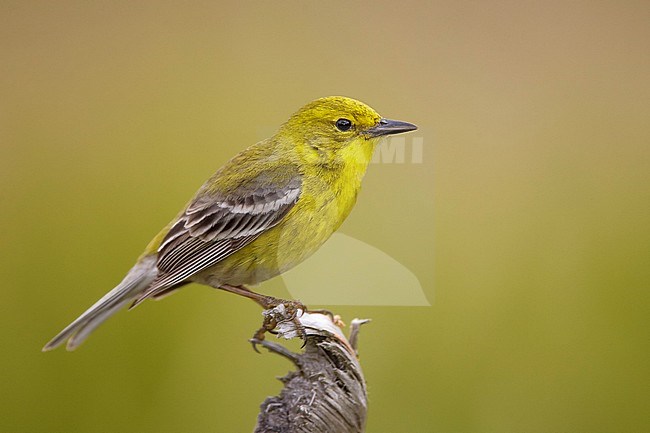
x=343 y=124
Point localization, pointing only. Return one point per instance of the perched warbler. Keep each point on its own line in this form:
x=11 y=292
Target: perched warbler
x=269 y=208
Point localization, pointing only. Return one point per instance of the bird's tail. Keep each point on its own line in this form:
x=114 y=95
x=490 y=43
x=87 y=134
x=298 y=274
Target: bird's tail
x=135 y=282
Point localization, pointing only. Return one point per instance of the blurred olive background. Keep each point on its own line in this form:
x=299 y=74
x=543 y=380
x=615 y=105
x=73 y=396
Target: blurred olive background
x=528 y=222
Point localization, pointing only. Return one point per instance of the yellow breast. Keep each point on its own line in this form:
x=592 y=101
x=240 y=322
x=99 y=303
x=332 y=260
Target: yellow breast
x=326 y=199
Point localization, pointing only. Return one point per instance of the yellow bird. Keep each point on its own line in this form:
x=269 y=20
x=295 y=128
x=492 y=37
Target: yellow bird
x=265 y=211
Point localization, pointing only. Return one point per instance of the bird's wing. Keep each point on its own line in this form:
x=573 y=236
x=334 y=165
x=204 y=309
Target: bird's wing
x=217 y=224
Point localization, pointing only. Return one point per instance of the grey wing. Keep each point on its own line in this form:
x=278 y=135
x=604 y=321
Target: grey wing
x=214 y=226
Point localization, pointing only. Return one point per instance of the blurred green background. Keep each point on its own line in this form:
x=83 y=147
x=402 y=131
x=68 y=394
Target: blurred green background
x=528 y=222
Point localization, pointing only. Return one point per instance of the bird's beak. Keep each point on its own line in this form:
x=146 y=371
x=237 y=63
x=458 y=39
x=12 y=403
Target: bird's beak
x=388 y=127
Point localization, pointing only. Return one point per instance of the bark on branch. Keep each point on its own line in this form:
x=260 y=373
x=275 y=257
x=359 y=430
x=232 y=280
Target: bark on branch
x=327 y=392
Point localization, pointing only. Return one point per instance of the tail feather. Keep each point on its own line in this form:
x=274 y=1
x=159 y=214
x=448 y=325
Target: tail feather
x=84 y=330
x=136 y=281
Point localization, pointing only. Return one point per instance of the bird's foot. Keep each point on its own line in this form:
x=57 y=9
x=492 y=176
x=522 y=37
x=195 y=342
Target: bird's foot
x=275 y=311
x=278 y=311
x=335 y=318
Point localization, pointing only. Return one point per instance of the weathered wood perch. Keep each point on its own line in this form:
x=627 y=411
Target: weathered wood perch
x=327 y=392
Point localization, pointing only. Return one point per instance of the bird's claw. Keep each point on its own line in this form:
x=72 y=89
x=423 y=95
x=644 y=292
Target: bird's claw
x=290 y=311
x=335 y=318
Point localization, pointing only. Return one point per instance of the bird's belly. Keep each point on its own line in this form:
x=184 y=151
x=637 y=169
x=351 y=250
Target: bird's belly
x=305 y=228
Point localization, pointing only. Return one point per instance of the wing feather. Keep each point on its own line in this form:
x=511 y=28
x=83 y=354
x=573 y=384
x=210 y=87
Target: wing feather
x=215 y=225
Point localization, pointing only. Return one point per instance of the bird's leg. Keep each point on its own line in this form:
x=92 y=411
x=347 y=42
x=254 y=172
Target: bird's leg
x=268 y=303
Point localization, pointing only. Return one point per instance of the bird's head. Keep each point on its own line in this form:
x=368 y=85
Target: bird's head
x=340 y=125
